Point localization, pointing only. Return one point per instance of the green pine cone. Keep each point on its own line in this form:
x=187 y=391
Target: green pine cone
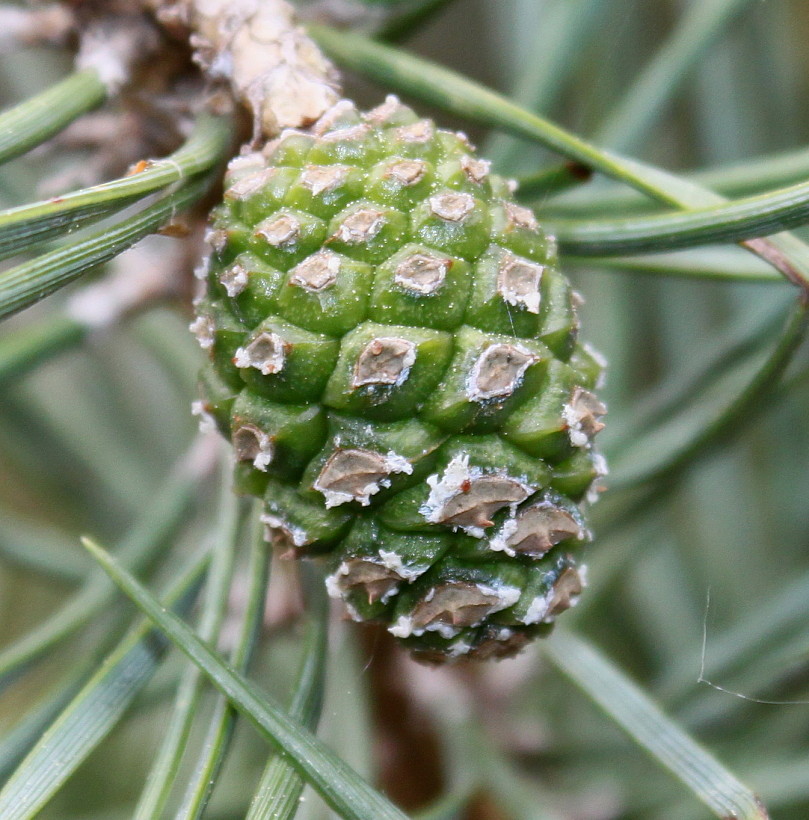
x=394 y=357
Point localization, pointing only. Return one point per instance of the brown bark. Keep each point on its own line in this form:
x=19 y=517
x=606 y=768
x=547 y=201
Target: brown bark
x=407 y=746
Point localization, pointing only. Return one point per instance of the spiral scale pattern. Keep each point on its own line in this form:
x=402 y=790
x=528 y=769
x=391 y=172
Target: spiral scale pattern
x=394 y=356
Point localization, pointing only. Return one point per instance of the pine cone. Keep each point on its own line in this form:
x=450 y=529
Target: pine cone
x=394 y=357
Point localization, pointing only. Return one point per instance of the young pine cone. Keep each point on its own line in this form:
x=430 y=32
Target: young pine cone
x=394 y=358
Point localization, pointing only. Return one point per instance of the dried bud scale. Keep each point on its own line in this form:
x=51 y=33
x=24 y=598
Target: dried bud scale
x=261 y=52
x=394 y=356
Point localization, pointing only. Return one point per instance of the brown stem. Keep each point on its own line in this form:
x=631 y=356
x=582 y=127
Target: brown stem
x=407 y=746
x=771 y=253
x=483 y=807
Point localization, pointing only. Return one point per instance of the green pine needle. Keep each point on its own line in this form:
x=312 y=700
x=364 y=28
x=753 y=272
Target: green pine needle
x=736 y=221
x=339 y=785
x=40 y=117
x=279 y=791
x=92 y=714
x=631 y=709
x=22 y=227
x=25 y=284
x=222 y=721
x=139 y=548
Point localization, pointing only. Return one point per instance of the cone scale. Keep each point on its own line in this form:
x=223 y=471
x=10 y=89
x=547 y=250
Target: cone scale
x=394 y=357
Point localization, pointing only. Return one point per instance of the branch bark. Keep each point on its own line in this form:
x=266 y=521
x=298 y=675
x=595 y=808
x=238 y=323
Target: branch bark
x=270 y=63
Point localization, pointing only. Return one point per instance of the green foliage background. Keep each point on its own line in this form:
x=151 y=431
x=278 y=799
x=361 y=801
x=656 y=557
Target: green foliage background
x=700 y=565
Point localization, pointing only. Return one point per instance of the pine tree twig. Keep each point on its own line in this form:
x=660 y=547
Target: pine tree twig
x=270 y=63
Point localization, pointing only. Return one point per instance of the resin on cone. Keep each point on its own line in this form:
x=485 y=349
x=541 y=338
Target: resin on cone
x=394 y=356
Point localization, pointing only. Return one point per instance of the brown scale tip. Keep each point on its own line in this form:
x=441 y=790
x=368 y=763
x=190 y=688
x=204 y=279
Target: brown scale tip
x=331 y=118
x=282 y=535
x=519 y=216
x=422 y=273
x=420 y=132
x=495 y=643
x=252 y=444
x=452 y=207
x=357 y=474
x=234 y=279
x=385 y=112
x=499 y=644
x=476 y=170
x=478 y=499
x=385 y=360
x=407 y=172
x=280 y=231
x=583 y=415
x=217 y=238
x=250 y=184
x=361 y=226
x=203 y=328
x=518 y=282
x=351 y=133
x=266 y=353
x=566 y=591
x=374 y=580
x=456 y=605
x=324 y=178
x=317 y=272
x=540 y=527
x=590 y=409
x=498 y=371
